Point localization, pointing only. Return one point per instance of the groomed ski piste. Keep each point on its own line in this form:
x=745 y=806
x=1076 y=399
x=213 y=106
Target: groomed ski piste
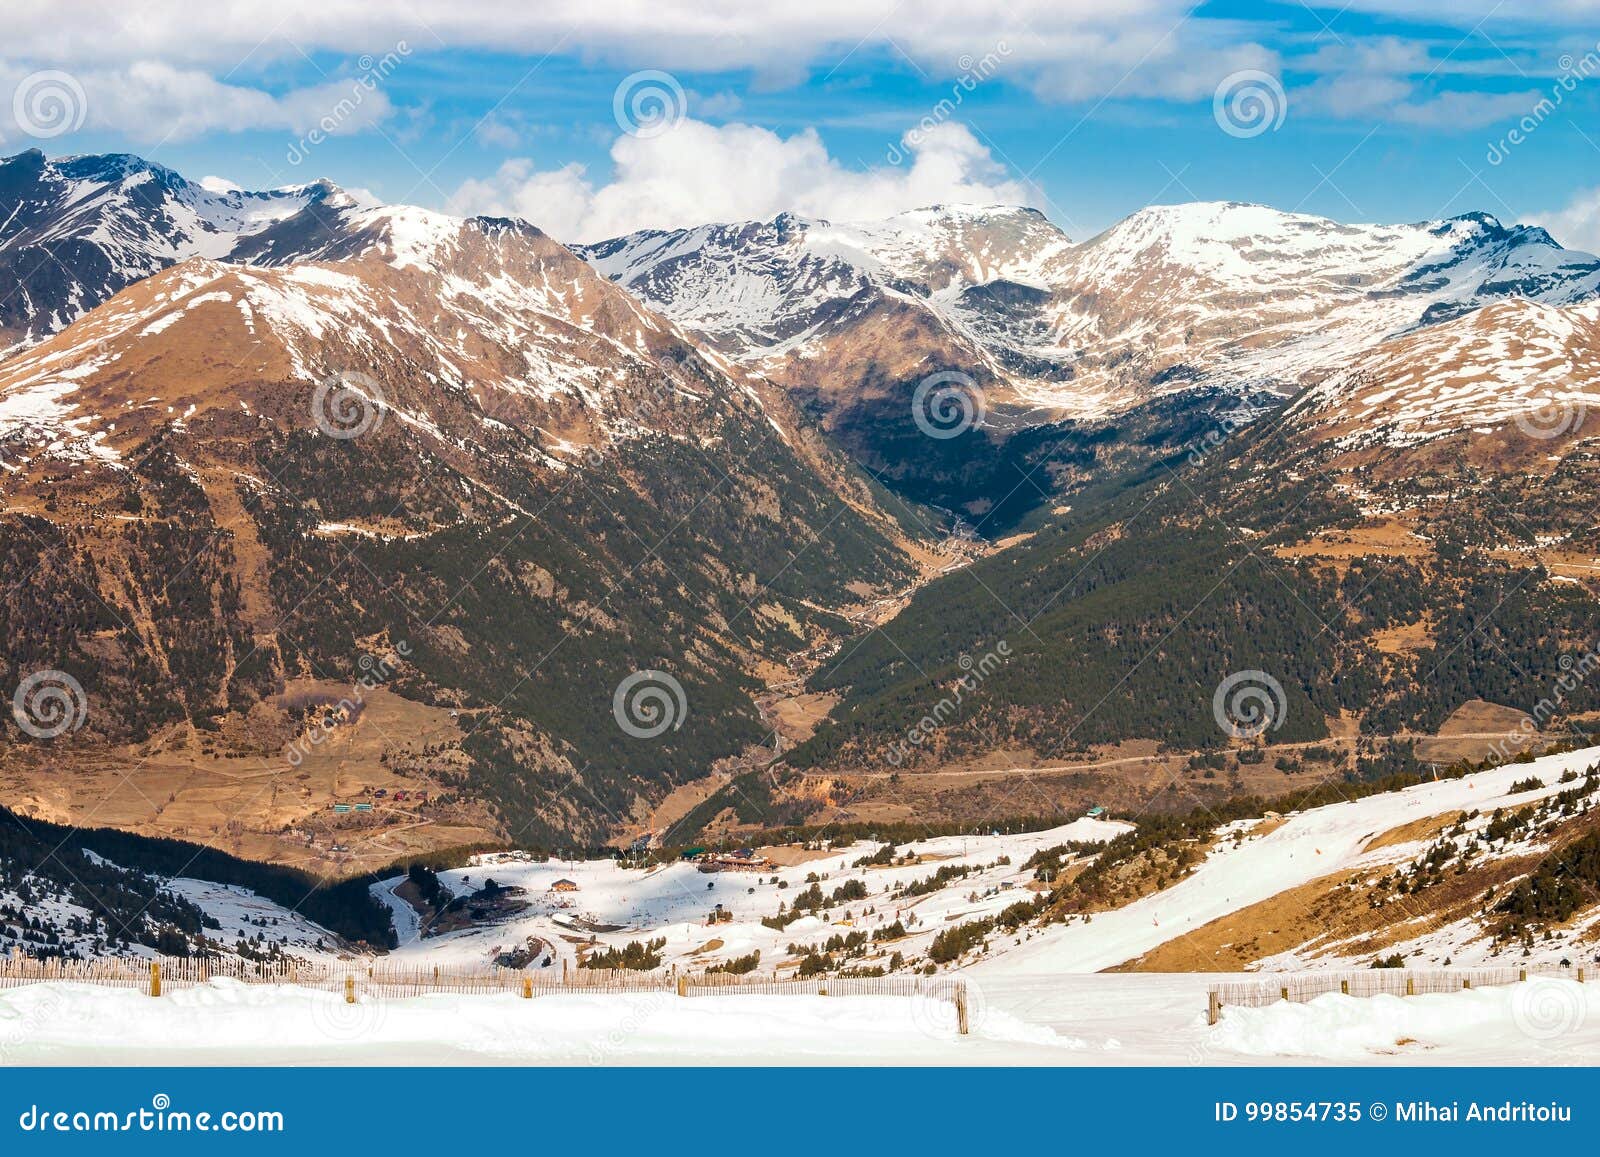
x=1040 y=996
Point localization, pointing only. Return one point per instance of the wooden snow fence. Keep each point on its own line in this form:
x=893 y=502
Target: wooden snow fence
x=154 y=975
x=356 y=980
x=1303 y=986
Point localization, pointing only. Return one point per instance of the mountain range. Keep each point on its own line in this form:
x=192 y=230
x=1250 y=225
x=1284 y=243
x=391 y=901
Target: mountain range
x=254 y=443
x=850 y=317
x=232 y=484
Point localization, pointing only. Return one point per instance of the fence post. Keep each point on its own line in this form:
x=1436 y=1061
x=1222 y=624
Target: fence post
x=1284 y=992
x=527 y=988
x=349 y=988
x=683 y=984
x=1344 y=987
x=1522 y=974
x=1213 y=1007
x=1466 y=982
x=1580 y=975
x=155 y=978
x=1411 y=986
x=563 y=971
x=962 y=1026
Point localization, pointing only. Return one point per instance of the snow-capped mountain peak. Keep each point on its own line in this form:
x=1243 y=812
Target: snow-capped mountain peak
x=77 y=229
x=853 y=313
x=1256 y=249
x=822 y=305
x=937 y=246
x=1174 y=295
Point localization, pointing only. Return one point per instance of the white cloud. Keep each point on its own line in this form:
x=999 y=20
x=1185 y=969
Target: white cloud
x=556 y=200
x=496 y=132
x=1390 y=80
x=1391 y=99
x=1464 y=110
x=1578 y=225
x=152 y=101
x=698 y=172
x=1078 y=49
x=720 y=105
x=1135 y=47
x=1471 y=13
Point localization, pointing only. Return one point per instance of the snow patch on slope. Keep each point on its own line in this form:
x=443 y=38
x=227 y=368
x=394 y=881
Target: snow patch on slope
x=1236 y=875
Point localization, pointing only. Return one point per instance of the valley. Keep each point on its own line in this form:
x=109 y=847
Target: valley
x=569 y=555
x=355 y=525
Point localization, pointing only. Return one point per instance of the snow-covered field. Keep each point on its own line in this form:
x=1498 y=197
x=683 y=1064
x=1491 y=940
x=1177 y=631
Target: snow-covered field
x=1545 y=1021
x=675 y=901
x=1159 y=1019
x=1038 y=996
x=1307 y=846
x=230 y=1023
x=244 y=915
x=1117 y=1019
x=1249 y=863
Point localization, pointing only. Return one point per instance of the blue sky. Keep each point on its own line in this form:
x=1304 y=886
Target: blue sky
x=1374 y=110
